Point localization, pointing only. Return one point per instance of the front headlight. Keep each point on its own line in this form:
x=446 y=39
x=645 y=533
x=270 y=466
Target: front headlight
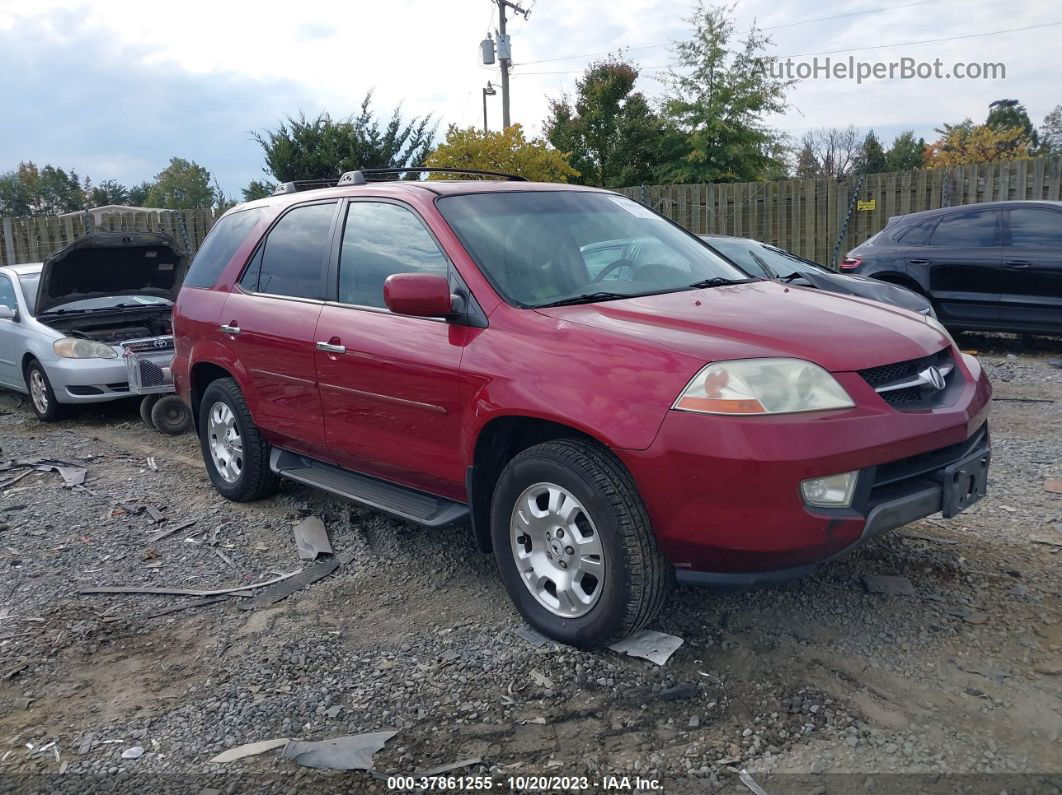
x=76 y=348
x=762 y=386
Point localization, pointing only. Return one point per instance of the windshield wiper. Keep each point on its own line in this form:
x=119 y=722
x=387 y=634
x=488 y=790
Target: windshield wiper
x=719 y=281
x=588 y=298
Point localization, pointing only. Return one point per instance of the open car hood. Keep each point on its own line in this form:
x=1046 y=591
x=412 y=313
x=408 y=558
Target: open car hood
x=863 y=287
x=105 y=264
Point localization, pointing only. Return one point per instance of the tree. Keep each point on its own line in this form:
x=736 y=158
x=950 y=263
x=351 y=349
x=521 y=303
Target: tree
x=830 y=151
x=182 y=185
x=1051 y=132
x=612 y=135
x=29 y=190
x=1004 y=114
x=807 y=165
x=258 y=189
x=965 y=143
x=906 y=153
x=138 y=194
x=322 y=148
x=506 y=151
x=719 y=97
x=872 y=157
x=110 y=191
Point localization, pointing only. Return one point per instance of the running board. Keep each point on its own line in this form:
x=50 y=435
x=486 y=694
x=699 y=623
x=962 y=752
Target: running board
x=416 y=506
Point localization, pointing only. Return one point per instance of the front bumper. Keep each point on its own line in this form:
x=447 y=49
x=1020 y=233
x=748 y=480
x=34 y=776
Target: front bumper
x=723 y=493
x=88 y=380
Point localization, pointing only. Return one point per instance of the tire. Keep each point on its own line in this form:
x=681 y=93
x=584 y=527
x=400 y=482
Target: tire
x=251 y=479
x=147 y=403
x=42 y=396
x=170 y=415
x=635 y=578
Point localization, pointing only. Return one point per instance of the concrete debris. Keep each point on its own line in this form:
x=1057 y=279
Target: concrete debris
x=249 y=749
x=311 y=538
x=888 y=584
x=133 y=753
x=542 y=679
x=1053 y=485
x=352 y=752
x=648 y=644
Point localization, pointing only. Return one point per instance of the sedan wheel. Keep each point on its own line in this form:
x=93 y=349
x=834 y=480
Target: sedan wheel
x=38 y=391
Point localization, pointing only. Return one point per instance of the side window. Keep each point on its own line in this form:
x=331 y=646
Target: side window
x=220 y=244
x=978 y=228
x=7 y=293
x=1035 y=228
x=293 y=257
x=918 y=235
x=380 y=240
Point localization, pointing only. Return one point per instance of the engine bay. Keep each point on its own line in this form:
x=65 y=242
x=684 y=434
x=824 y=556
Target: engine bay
x=118 y=326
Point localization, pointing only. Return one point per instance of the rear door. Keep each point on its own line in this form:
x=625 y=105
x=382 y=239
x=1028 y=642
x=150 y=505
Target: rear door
x=1032 y=269
x=12 y=340
x=964 y=257
x=269 y=322
x=389 y=383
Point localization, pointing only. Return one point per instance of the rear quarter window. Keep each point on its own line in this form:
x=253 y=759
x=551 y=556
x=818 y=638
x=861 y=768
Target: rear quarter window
x=220 y=244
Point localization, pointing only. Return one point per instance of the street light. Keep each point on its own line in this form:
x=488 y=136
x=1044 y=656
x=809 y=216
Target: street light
x=487 y=92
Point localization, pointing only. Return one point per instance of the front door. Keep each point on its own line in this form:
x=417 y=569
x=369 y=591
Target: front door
x=12 y=338
x=1032 y=270
x=963 y=257
x=269 y=323
x=389 y=383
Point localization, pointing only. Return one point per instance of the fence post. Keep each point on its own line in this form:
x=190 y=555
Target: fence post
x=9 y=243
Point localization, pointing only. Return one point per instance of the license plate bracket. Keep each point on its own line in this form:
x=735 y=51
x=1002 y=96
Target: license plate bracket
x=964 y=482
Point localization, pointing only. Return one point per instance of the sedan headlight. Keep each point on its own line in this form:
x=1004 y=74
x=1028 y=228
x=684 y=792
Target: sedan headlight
x=762 y=386
x=76 y=348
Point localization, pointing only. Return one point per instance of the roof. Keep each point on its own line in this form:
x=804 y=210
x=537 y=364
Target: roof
x=980 y=206
x=25 y=268
x=112 y=209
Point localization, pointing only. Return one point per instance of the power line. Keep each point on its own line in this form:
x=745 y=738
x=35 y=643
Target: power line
x=852 y=49
x=772 y=27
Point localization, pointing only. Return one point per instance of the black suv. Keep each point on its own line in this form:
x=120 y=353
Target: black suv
x=995 y=266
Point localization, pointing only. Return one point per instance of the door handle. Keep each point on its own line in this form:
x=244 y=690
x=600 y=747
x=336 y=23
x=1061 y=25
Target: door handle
x=918 y=261
x=1017 y=263
x=328 y=347
x=234 y=330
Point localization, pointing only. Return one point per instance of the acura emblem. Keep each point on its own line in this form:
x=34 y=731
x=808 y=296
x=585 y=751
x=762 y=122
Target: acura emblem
x=932 y=377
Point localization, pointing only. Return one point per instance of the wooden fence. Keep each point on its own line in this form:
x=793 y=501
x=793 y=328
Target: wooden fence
x=811 y=217
x=32 y=239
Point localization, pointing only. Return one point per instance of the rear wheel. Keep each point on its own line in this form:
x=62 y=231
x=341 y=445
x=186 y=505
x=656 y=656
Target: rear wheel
x=147 y=403
x=170 y=415
x=42 y=396
x=574 y=544
x=236 y=456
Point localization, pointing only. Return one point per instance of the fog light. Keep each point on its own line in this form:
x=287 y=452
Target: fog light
x=832 y=491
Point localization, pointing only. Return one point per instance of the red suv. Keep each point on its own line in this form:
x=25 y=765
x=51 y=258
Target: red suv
x=609 y=404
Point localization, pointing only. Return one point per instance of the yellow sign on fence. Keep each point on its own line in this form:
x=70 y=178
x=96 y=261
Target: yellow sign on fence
x=867 y=205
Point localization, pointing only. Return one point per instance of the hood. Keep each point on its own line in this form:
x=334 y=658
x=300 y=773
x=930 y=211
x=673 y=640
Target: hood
x=866 y=288
x=105 y=264
x=766 y=319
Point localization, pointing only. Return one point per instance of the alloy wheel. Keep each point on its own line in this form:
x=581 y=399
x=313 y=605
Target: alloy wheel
x=225 y=442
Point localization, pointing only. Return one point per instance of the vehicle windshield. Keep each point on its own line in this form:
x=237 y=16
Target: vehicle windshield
x=763 y=260
x=541 y=248
x=31 y=281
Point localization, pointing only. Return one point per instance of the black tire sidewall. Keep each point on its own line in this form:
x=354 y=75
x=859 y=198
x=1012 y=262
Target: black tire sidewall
x=161 y=420
x=215 y=393
x=147 y=403
x=605 y=619
x=56 y=410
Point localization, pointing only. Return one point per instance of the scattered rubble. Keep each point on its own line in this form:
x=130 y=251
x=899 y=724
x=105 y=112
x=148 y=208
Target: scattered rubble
x=353 y=752
x=654 y=646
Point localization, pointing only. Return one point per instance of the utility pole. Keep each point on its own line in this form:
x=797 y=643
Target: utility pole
x=505 y=54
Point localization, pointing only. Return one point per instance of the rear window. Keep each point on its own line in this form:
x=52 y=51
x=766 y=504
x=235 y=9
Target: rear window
x=917 y=235
x=224 y=238
x=976 y=229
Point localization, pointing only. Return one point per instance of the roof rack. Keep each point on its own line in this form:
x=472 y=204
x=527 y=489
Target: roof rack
x=365 y=175
x=303 y=184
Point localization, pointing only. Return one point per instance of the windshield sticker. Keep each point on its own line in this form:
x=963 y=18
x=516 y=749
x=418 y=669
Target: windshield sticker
x=631 y=206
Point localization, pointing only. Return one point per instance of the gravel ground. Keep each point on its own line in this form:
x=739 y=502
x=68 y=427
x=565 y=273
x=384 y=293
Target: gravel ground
x=810 y=686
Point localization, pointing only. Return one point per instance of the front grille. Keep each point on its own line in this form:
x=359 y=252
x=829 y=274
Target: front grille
x=149 y=345
x=887 y=379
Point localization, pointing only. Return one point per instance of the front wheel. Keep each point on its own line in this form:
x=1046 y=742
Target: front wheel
x=574 y=544
x=236 y=456
x=42 y=396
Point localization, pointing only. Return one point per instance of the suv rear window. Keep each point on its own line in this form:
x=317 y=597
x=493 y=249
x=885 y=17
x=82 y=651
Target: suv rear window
x=973 y=229
x=220 y=244
x=917 y=235
x=292 y=259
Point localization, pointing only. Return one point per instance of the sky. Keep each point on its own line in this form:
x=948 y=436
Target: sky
x=114 y=88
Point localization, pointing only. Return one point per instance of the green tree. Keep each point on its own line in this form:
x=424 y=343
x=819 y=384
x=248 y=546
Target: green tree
x=182 y=185
x=1051 y=132
x=110 y=191
x=258 y=189
x=719 y=97
x=906 y=153
x=872 y=159
x=29 y=190
x=322 y=148
x=807 y=165
x=15 y=198
x=138 y=194
x=612 y=135
x=1008 y=113
x=506 y=151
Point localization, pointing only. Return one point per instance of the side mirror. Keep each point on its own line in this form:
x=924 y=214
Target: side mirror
x=418 y=294
x=7 y=313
